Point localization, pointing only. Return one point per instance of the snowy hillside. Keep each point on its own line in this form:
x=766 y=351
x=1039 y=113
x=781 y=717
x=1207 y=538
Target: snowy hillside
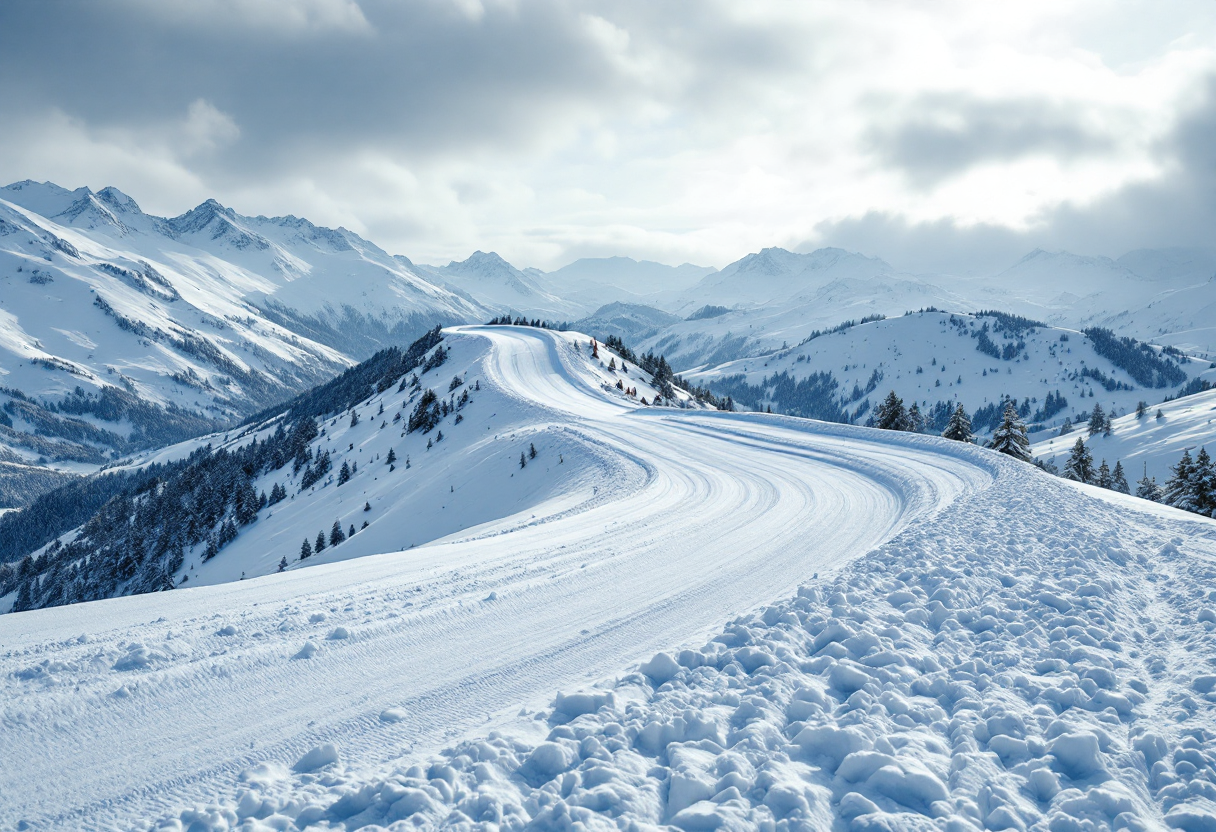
x=428 y=446
x=1145 y=444
x=755 y=622
x=937 y=360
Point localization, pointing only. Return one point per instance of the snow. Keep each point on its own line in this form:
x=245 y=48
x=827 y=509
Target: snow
x=1145 y=444
x=828 y=626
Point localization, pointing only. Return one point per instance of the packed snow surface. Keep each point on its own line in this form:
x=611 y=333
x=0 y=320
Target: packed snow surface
x=965 y=643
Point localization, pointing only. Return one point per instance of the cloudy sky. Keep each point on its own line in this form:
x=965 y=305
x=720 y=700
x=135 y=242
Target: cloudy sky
x=942 y=136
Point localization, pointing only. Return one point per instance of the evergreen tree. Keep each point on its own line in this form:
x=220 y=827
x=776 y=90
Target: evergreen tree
x=336 y=535
x=916 y=422
x=959 y=427
x=305 y=550
x=1097 y=420
x=1119 y=479
x=1141 y=409
x=1080 y=465
x=344 y=473
x=283 y=564
x=1107 y=427
x=1178 y=491
x=523 y=460
x=1010 y=436
x=351 y=533
x=354 y=418
x=531 y=451
x=1147 y=488
x=367 y=506
x=1203 y=484
x=891 y=415
x=320 y=544
x=1103 y=479
x=391 y=458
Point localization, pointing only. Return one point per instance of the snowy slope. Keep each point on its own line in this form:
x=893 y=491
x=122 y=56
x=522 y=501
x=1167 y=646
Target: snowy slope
x=931 y=357
x=1022 y=681
x=1146 y=444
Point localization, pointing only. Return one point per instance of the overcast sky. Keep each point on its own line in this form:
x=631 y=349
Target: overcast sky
x=941 y=136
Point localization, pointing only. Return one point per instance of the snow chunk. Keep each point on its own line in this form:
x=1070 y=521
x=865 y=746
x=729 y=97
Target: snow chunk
x=661 y=668
x=319 y=757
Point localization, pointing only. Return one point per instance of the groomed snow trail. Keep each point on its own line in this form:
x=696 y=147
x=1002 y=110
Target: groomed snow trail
x=168 y=698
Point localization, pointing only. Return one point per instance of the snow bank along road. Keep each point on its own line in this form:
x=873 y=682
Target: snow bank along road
x=123 y=710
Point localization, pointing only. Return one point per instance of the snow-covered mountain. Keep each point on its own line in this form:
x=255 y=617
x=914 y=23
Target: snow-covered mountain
x=593 y=282
x=495 y=284
x=755 y=622
x=775 y=275
x=939 y=359
x=146 y=321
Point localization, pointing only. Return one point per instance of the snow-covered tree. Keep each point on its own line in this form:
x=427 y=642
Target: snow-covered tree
x=391 y=458
x=1103 y=479
x=531 y=451
x=916 y=422
x=891 y=414
x=523 y=460
x=1203 y=484
x=1178 y=491
x=1080 y=465
x=320 y=544
x=959 y=426
x=344 y=473
x=1118 y=479
x=1010 y=436
x=305 y=550
x=1097 y=420
x=1147 y=488
x=283 y=564
x=1066 y=428
x=336 y=535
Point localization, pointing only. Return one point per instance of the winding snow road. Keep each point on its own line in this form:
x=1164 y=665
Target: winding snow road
x=721 y=513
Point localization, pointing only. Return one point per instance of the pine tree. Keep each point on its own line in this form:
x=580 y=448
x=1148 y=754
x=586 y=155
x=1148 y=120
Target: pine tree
x=1066 y=428
x=1178 y=491
x=531 y=451
x=283 y=564
x=1141 y=409
x=1103 y=480
x=959 y=426
x=354 y=418
x=344 y=473
x=1080 y=465
x=1119 y=479
x=391 y=458
x=1010 y=436
x=351 y=533
x=336 y=535
x=1147 y=488
x=306 y=550
x=891 y=415
x=367 y=506
x=523 y=460
x=916 y=422
x=320 y=544
x=1097 y=420
x=1107 y=427
x=1203 y=484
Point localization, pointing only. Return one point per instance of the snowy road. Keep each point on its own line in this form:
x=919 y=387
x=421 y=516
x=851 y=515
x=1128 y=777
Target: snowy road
x=167 y=698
